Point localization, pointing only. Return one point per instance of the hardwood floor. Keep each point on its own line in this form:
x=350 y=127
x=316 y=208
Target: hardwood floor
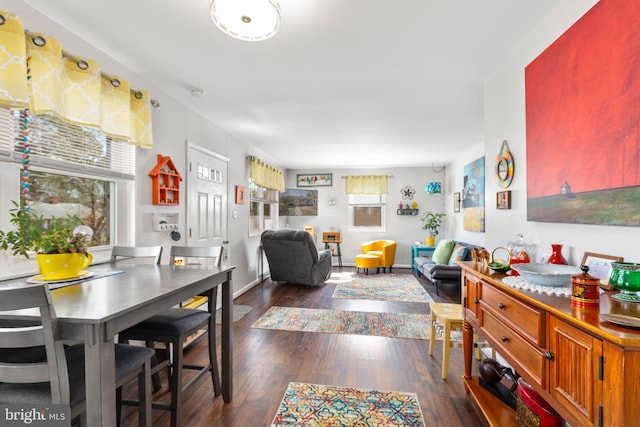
x=265 y=361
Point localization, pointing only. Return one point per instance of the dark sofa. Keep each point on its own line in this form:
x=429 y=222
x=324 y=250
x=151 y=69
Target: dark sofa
x=443 y=273
x=293 y=257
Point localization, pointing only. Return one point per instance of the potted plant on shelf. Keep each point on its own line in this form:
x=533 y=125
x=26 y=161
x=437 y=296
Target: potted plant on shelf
x=60 y=244
x=432 y=221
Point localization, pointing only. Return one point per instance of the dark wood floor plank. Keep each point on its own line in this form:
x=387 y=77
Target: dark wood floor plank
x=266 y=361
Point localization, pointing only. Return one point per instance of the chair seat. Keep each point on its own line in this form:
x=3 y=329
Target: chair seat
x=128 y=359
x=173 y=322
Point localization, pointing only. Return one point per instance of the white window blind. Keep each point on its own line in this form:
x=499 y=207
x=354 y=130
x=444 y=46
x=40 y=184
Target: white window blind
x=62 y=145
x=6 y=133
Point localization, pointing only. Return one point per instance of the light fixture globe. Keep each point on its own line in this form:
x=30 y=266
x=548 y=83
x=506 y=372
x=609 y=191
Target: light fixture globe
x=250 y=20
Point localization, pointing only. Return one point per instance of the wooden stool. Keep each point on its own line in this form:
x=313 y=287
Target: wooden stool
x=449 y=317
x=367 y=261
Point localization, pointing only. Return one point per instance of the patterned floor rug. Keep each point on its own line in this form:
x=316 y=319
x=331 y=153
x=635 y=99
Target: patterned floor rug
x=381 y=287
x=390 y=325
x=321 y=405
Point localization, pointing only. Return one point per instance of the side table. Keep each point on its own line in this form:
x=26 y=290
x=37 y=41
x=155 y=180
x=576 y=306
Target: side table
x=416 y=250
x=339 y=254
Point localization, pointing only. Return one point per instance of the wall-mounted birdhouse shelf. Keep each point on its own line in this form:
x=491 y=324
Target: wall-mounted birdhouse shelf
x=166 y=182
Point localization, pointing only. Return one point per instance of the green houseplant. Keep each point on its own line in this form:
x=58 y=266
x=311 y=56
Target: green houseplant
x=432 y=221
x=54 y=236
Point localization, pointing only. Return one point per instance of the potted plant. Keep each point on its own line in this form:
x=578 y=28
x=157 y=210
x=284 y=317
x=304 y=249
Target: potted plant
x=432 y=221
x=60 y=245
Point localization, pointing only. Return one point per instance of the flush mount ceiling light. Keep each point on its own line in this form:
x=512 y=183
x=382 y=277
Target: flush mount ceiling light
x=250 y=20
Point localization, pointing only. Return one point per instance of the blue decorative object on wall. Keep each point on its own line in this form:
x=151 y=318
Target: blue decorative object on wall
x=433 y=187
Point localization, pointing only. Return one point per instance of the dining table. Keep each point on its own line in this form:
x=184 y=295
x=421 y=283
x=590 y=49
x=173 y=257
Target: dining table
x=110 y=298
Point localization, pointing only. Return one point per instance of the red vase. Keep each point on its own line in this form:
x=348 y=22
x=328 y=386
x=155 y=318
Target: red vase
x=556 y=255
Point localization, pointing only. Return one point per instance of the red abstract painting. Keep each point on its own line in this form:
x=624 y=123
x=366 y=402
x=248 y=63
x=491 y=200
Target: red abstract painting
x=583 y=120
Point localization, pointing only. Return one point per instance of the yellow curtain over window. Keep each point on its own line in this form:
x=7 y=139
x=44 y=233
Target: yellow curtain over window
x=14 y=89
x=141 y=118
x=116 y=108
x=70 y=87
x=367 y=184
x=266 y=175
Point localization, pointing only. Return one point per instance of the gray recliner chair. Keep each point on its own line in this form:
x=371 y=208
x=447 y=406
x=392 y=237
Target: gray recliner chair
x=293 y=257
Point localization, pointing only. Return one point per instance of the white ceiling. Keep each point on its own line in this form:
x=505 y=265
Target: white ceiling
x=344 y=83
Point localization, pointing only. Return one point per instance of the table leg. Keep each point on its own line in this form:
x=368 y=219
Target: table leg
x=432 y=339
x=227 y=339
x=100 y=376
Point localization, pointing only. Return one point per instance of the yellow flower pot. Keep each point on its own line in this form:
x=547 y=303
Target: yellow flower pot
x=62 y=266
x=431 y=241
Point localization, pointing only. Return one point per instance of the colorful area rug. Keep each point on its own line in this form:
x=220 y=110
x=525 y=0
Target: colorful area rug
x=381 y=287
x=390 y=325
x=322 y=405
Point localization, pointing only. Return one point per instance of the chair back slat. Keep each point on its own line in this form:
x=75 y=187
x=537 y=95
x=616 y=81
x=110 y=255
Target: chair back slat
x=25 y=373
x=122 y=253
x=214 y=252
x=54 y=369
x=19 y=296
x=31 y=336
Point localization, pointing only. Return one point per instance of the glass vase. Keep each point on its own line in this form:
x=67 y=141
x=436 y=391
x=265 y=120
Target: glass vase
x=556 y=255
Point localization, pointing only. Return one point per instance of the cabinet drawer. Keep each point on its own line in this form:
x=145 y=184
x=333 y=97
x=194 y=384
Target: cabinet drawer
x=519 y=352
x=527 y=320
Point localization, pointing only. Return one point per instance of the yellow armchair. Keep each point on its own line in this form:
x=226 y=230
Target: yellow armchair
x=385 y=249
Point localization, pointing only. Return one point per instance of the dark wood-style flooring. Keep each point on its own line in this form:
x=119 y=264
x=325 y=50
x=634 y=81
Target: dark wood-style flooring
x=266 y=361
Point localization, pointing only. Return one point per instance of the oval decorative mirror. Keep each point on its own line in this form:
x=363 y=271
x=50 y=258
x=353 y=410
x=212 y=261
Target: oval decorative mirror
x=504 y=166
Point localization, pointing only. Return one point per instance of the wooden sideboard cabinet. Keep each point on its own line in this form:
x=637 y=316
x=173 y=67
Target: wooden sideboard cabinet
x=586 y=368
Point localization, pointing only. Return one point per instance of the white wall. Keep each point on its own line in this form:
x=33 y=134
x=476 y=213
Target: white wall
x=405 y=230
x=505 y=119
x=173 y=125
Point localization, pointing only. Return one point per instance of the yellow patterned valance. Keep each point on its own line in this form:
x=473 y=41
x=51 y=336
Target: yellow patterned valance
x=367 y=184
x=14 y=90
x=266 y=175
x=35 y=72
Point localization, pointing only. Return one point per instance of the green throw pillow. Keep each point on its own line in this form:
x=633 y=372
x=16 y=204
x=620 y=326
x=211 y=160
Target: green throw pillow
x=458 y=251
x=443 y=252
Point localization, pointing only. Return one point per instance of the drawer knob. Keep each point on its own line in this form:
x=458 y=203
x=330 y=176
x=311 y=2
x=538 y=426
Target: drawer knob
x=504 y=338
x=476 y=300
x=548 y=355
x=502 y=306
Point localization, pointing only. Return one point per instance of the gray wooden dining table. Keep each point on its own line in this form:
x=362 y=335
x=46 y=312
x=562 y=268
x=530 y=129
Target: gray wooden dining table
x=116 y=297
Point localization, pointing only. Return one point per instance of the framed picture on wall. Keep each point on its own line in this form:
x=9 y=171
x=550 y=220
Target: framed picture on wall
x=503 y=199
x=240 y=193
x=314 y=180
x=456 y=202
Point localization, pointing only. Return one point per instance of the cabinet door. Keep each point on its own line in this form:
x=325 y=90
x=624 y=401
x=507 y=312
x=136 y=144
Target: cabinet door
x=471 y=295
x=573 y=362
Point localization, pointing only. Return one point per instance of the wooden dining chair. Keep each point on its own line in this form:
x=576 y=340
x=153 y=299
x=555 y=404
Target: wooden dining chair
x=59 y=377
x=173 y=327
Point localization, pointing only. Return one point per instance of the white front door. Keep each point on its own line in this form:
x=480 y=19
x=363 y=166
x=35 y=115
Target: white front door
x=207 y=205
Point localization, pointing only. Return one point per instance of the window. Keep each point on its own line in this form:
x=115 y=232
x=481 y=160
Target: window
x=74 y=170
x=367 y=212
x=56 y=196
x=263 y=209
